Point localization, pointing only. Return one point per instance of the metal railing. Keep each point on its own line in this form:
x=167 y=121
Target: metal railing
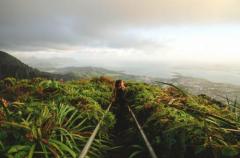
x=92 y=137
x=86 y=148
x=148 y=145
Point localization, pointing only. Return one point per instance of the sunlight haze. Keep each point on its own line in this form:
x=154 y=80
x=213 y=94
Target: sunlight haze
x=112 y=33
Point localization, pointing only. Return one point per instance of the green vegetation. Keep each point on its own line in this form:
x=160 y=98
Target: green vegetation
x=51 y=119
x=44 y=118
x=11 y=66
x=181 y=125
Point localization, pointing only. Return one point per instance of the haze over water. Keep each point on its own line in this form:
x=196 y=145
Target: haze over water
x=164 y=70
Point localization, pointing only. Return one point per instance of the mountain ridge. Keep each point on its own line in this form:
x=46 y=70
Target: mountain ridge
x=10 y=66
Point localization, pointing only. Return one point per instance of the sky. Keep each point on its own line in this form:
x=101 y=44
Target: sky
x=118 y=32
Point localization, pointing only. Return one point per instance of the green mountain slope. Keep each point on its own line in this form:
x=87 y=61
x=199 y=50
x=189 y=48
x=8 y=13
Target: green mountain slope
x=45 y=118
x=12 y=67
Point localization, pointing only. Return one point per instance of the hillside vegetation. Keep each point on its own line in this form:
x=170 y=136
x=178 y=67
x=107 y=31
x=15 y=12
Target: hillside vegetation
x=45 y=118
x=12 y=67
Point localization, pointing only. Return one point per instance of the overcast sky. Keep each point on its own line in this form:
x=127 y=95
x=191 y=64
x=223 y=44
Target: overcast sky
x=119 y=31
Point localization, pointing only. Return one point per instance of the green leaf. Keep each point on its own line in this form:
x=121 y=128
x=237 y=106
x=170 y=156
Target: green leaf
x=17 y=148
x=20 y=154
x=134 y=154
x=31 y=152
x=44 y=150
x=230 y=151
x=64 y=147
x=199 y=149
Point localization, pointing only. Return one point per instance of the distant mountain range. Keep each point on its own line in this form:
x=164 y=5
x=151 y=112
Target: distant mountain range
x=89 y=72
x=12 y=67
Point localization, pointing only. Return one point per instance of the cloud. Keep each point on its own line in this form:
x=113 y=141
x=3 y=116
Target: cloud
x=61 y=24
